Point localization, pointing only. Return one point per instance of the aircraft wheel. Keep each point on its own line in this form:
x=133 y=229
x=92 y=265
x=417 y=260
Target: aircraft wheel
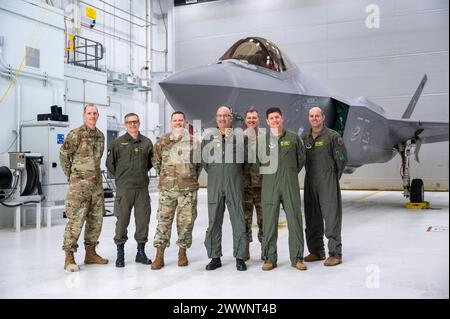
x=417 y=191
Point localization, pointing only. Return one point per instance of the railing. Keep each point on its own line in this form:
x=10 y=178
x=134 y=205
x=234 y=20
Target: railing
x=84 y=52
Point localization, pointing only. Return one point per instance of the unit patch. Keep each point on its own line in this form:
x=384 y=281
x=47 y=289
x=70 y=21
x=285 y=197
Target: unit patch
x=319 y=143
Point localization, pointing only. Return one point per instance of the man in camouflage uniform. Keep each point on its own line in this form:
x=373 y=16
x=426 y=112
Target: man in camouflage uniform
x=129 y=160
x=252 y=180
x=326 y=157
x=178 y=185
x=80 y=160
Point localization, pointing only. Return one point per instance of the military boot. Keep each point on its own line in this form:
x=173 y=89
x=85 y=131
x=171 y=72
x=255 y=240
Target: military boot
x=159 y=260
x=69 y=263
x=299 y=265
x=313 y=257
x=240 y=265
x=214 y=264
x=182 y=258
x=91 y=256
x=268 y=265
x=332 y=261
x=120 y=261
x=141 y=257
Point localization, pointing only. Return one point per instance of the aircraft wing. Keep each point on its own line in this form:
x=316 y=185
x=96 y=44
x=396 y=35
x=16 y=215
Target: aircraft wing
x=428 y=132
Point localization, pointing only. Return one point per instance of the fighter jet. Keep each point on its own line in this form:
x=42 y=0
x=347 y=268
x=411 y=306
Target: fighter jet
x=255 y=72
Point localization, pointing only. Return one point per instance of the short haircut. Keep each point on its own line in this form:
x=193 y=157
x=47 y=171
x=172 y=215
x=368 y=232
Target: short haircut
x=89 y=105
x=273 y=110
x=251 y=110
x=130 y=114
x=178 y=112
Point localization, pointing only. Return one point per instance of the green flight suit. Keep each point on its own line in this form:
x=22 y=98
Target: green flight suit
x=326 y=157
x=129 y=161
x=281 y=186
x=223 y=158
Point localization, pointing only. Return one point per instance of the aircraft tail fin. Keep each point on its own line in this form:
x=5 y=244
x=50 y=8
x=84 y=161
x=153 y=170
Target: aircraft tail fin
x=415 y=98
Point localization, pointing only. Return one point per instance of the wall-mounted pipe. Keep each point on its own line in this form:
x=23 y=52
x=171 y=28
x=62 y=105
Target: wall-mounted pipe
x=86 y=26
x=18 y=102
x=118 y=9
x=114 y=15
x=148 y=38
x=131 y=38
x=12 y=74
x=16 y=73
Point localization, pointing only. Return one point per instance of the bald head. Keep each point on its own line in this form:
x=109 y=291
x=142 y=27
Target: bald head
x=316 y=109
x=316 y=119
x=223 y=117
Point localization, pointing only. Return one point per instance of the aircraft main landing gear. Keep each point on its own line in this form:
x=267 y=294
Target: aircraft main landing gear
x=413 y=190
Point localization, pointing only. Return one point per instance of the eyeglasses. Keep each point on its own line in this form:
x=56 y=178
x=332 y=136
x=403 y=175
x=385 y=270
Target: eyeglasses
x=132 y=122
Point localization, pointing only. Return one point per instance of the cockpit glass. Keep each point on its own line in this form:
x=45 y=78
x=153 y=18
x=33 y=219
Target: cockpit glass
x=260 y=52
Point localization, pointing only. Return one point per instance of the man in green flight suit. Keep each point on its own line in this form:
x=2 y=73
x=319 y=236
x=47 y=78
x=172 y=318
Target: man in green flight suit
x=223 y=158
x=326 y=158
x=80 y=157
x=129 y=160
x=280 y=185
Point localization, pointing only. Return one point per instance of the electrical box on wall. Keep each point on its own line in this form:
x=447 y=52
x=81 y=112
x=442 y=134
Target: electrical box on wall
x=46 y=138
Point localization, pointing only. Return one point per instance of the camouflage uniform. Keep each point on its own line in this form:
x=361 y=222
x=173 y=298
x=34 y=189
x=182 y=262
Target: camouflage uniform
x=178 y=185
x=252 y=193
x=80 y=160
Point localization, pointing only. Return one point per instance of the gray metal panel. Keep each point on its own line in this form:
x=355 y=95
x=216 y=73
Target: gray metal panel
x=75 y=90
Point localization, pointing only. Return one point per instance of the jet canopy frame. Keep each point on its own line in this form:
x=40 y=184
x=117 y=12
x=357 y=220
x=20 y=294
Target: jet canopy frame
x=259 y=52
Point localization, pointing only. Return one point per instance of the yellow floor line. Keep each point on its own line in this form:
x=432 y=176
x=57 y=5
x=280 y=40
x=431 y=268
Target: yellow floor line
x=366 y=196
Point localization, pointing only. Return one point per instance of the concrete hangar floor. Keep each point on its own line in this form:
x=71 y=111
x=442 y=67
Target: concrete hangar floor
x=389 y=252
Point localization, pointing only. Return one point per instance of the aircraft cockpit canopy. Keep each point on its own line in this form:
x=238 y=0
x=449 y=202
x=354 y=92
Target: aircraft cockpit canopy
x=260 y=52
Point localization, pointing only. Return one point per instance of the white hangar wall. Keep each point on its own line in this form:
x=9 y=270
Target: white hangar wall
x=44 y=26
x=329 y=39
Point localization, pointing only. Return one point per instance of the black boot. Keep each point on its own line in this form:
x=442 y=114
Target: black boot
x=214 y=264
x=240 y=264
x=120 y=262
x=141 y=257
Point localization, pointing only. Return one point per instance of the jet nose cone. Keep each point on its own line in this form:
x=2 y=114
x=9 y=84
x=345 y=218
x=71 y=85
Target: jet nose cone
x=212 y=74
x=198 y=92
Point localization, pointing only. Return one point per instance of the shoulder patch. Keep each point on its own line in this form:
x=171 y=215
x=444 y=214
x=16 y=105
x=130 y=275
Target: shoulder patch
x=340 y=141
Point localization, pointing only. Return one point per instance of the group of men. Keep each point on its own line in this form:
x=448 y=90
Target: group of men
x=246 y=169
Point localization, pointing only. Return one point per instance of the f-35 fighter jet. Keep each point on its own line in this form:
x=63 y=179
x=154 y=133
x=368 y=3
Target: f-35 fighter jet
x=255 y=72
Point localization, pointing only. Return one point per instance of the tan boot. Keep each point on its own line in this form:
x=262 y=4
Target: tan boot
x=313 y=257
x=247 y=252
x=182 y=258
x=159 y=260
x=268 y=265
x=332 y=261
x=91 y=256
x=69 y=263
x=299 y=265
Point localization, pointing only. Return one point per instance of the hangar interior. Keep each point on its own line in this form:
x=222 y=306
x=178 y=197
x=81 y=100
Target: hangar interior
x=58 y=55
